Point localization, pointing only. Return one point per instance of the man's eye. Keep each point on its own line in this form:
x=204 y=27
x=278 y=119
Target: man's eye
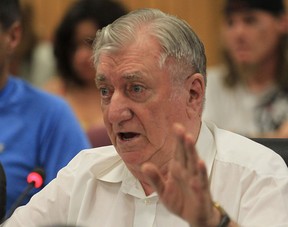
x=104 y=91
x=137 y=88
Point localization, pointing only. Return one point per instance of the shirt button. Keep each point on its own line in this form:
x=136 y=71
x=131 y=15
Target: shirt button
x=147 y=201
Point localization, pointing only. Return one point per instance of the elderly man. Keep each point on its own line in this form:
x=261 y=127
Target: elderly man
x=151 y=76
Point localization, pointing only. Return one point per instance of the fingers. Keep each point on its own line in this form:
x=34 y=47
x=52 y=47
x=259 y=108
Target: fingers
x=203 y=175
x=181 y=154
x=192 y=155
x=187 y=156
x=185 y=150
x=200 y=182
x=154 y=177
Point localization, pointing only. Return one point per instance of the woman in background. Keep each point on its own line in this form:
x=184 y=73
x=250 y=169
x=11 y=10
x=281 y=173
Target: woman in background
x=73 y=52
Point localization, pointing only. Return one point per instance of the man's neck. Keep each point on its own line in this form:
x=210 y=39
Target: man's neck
x=3 y=79
x=137 y=172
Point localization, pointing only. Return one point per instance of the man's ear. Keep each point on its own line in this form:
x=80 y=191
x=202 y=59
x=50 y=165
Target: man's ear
x=14 y=34
x=195 y=86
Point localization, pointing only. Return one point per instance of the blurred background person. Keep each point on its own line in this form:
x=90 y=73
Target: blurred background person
x=37 y=128
x=249 y=93
x=33 y=54
x=73 y=52
x=20 y=62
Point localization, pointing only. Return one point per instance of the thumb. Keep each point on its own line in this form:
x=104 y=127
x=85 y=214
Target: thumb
x=154 y=177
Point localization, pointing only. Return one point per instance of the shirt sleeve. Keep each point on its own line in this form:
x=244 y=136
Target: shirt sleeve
x=45 y=208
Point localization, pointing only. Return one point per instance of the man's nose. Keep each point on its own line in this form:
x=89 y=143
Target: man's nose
x=119 y=109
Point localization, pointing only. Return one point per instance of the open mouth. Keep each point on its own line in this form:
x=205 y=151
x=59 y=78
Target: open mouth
x=127 y=135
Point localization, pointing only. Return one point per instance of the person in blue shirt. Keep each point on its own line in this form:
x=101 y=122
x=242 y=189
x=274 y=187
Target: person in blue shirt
x=37 y=129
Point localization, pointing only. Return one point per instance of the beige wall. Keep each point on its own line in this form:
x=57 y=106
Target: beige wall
x=202 y=15
x=46 y=15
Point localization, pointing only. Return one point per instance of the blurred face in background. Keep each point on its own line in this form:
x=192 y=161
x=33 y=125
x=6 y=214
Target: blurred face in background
x=251 y=37
x=2 y=50
x=82 y=59
x=9 y=40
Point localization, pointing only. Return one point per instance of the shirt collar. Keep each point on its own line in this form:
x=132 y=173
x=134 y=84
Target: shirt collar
x=130 y=184
x=205 y=147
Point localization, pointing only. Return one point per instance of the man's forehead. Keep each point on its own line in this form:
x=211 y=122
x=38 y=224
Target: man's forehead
x=107 y=58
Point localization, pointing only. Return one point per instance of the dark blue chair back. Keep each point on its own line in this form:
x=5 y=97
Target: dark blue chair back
x=280 y=146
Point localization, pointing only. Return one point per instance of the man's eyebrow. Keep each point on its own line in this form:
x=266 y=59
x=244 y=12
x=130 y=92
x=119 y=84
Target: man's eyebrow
x=99 y=78
x=133 y=76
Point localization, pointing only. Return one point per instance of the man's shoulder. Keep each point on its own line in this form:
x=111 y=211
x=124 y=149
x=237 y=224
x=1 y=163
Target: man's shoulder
x=96 y=163
x=245 y=153
x=95 y=159
x=33 y=96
